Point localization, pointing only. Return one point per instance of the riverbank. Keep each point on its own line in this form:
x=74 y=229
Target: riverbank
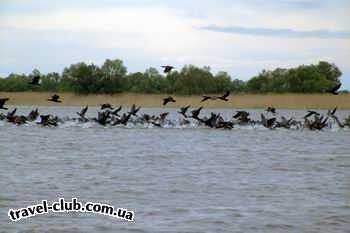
x=284 y=101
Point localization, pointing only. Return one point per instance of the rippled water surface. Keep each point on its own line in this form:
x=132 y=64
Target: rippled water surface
x=178 y=180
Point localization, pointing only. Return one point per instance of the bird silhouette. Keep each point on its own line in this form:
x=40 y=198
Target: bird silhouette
x=335 y=89
x=167 y=68
x=33 y=115
x=102 y=117
x=271 y=109
x=12 y=113
x=168 y=99
x=2 y=103
x=240 y=114
x=106 y=106
x=224 y=97
x=55 y=98
x=134 y=110
x=196 y=112
x=205 y=98
x=183 y=110
x=116 y=111
x=310 y=113
x=83 y=112
x=268 y=123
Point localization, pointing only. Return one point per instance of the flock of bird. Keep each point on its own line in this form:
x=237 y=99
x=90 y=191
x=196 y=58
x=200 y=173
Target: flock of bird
x=113 y=116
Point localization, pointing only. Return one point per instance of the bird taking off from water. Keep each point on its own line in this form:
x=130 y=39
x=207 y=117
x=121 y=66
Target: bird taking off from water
x=183 y=110
x=2 y=103
x=272 y=110
x=35 y=80
x=167 y=68
x=83 y=112
x=106 y=106
x=55 y=98
x=168 y=100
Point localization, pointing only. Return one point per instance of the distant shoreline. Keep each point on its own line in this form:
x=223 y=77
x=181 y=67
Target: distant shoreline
x=282 y=101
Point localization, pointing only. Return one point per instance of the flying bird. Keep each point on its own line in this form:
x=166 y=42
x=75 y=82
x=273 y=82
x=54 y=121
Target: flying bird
x=116 y=111
x=83 y=112
x=183 y=110
x=12 y=113
x=2 y=103
x=268 y=123
x=195 y=113
x=105 y=106
x=167 y=68
x=335 y=89
x=168 y=99
x=205 y=98
x=224 y=97
x=271 y=109
x=241 y=114
x=332 y=112
x=163 y=115
x=35 y=80
x=133 y=111
x=55 y=98
x=310 y=113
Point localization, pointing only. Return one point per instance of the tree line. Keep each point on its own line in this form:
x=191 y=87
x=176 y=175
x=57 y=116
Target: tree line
x=112 y=77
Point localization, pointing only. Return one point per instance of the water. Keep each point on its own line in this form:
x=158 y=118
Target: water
x=178 y=180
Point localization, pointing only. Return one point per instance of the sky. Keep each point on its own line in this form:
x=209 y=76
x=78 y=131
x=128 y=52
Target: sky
x=242 y=37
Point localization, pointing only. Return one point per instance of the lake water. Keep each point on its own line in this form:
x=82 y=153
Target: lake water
x=177 y=179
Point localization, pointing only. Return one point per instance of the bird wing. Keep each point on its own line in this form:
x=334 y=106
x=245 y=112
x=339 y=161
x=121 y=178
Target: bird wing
x=84 y=110
x=336 y=88
x=226 y=94
x=205 y=98
x=3 y=100
x=334 y=110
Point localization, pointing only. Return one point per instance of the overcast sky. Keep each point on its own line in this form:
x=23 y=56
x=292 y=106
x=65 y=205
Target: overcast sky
x=241 y=37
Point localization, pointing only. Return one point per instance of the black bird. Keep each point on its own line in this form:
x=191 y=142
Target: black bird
x=33 y=115
x=163 y=115
x=310 y=113
x=44 y=119
x=105 y=106
x=168 y=99
x=211 y=122
x=2 y=103
x=167 y=69
x=134 y=110
x=241 y=114
x=335 y=89
x=205 y=98
x=83 y=112
x=55 y=98
x=116 y=111
x=11 y=114
x=47 y=121
x=35 y=80
x=268 y=123
x=102 y=117
x=183 y=110
x=271 y=109
x=224 y=97
x=333 y=111
x=125 y=118
x=195 y=113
